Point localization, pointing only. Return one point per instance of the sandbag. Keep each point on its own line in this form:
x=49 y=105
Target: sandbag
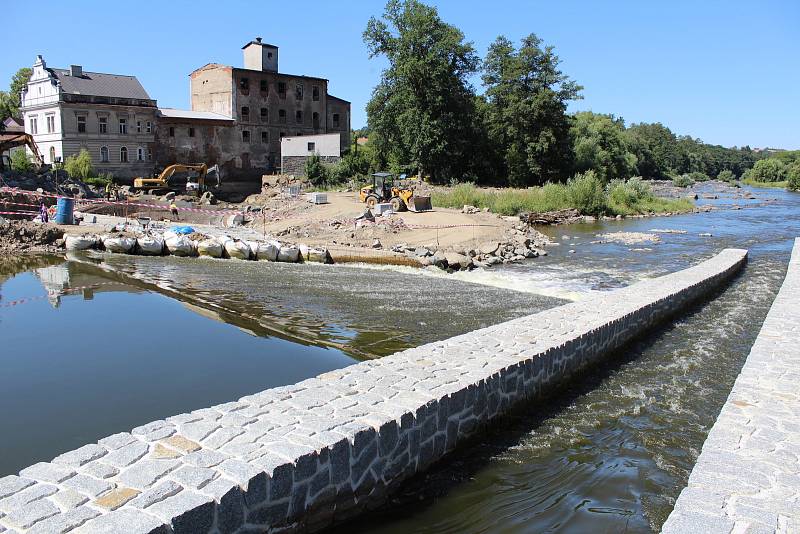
x=150 y=245
x=80 y=242
x=268 y=251
x=237 y=249
x=210 y=247
x=289 y=254
x=119 y=244
x=318 y=255
x=180 y=245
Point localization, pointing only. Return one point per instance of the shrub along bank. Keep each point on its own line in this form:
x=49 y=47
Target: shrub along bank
x=584 y=192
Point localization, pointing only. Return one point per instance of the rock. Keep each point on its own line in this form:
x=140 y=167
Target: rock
x=493 y=260
x=470 y=209
x=169 y=196
x=439 y=260
x=704 y=234
x=425 y=261
x=572 y=251
x=489 y=247
x=208 y=198
x=235 y=220
x=457 y=261
x=565 y=238
x=377 y=244
x=422 y=251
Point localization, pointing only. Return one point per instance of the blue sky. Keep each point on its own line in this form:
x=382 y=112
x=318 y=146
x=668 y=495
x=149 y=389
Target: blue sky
x=724 y=71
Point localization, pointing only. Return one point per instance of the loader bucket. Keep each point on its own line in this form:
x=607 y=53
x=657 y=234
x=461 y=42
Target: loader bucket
x=417 y=203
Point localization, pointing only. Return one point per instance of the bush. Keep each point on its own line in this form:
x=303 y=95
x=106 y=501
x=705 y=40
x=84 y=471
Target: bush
x=316 y=172
x=726 y=176
x=793 y=177
x=767 y=170
x=99 y=181
x=79 y=165
x=684 y=180
x=587 y=194
x=699 y=176
x=20 y=162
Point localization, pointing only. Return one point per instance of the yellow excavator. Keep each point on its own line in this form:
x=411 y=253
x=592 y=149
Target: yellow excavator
x=196 y=184
x=385 y=188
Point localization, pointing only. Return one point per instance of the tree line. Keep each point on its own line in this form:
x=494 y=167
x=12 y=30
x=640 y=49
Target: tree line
x=426 y=117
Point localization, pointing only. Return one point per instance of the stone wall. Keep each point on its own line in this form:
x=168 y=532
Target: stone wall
x=324 y=449
x=747 y=478
x=296 y=165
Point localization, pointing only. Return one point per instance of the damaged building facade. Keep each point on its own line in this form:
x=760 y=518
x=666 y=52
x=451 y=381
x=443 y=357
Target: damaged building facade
x=239 y=115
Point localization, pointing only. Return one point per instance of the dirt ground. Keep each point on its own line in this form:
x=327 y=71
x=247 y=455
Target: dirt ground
x=336 y=223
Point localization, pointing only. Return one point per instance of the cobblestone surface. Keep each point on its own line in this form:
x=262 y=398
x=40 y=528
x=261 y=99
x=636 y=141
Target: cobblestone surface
x=747 y=477
x=303 y=456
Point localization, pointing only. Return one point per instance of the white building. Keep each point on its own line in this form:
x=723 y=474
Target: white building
x=110 y=115
x=295 y=150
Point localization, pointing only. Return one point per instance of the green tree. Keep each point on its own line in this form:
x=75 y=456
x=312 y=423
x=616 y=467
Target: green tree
x=768 y=170
x=793 y=177
x=20 y=162
x=527 y=99
x=79 y=165
x=10 y=101
x=656 y=150
x=316 y=172
x=726 y=176
x=600 y=144
x=421 y=112
x=587 y=193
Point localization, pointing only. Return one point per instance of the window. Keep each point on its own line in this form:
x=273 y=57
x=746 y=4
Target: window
x=52 y=154
x=138 y=126
x=312 y=147
x=148 y=127
x=315 y=120
x=282 y=116
x=172 y=131
x=264 y=137
x=264 y=114
x=34 y=127
x=102 y=125
x=298 y=116
x=244 y=85
x=315 y=93
x=245 y=113
x=191 y=132
x=123 y=155
x=123 y=128
x=298 y=91
x=245 y=136
x=335 y=120
x=81 y=124
x=263 y=86
x=269 y=55
x=282 y=89
x=51 y=123
x=104 y=154
x=140 y=154
x=149 y=154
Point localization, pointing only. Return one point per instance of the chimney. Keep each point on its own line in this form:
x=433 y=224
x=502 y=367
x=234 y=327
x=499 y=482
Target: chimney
x=76 y=70
x=260 y=56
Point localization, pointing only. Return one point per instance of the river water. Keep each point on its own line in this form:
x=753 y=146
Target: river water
x=145 y=338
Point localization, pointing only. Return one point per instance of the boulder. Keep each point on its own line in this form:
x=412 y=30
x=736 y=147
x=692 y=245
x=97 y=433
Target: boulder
x=439 y=260
x=457 y=261
x=208 y=198
x=490 y=247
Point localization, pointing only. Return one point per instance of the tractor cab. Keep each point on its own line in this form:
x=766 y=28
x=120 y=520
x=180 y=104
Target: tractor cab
x=385 y=188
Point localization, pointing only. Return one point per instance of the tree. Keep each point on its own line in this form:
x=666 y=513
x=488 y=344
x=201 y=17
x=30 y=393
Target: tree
x=656 y=150
x=793 y=177
x=316 y=172
x=420 y=114
x=527 y=99
x=79 y=165
x=726 y=176
x=11 y=101
x=767 y=170
x=20 y=162
x=600 y=144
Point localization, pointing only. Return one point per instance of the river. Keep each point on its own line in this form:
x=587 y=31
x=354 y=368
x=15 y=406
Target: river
x=150 y=337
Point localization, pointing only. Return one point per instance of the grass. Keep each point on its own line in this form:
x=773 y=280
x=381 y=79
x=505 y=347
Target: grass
x=754 y=183
x=584 y=193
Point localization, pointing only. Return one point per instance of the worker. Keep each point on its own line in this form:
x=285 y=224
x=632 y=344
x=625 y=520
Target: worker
x=43 y=215
x=174 y=209
x=108 y=190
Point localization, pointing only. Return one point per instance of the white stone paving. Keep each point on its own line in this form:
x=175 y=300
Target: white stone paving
x=302 y=456
x=747 y=477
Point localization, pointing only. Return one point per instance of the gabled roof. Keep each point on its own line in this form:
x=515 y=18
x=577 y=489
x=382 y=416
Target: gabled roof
x=337 y=98
x=99 y=84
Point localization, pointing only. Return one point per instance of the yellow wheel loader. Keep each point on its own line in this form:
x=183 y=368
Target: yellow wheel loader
x=385 y=188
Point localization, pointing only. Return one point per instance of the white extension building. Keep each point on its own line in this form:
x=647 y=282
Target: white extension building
x=295 y=150
x=110 y=115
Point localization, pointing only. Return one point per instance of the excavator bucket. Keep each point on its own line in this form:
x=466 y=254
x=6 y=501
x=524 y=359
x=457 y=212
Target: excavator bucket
x=419 y=203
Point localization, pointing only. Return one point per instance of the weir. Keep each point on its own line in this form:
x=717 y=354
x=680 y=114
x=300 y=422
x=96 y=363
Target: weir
x=747 y=477
x=323 y=450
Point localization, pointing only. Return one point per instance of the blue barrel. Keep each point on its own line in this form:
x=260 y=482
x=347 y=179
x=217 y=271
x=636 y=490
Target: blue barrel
x=64 y=208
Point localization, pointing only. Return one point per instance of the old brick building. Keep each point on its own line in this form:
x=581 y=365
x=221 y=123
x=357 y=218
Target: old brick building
x=239 y=115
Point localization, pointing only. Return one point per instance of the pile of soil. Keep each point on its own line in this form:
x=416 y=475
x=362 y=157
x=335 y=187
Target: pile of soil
x=27 y=236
